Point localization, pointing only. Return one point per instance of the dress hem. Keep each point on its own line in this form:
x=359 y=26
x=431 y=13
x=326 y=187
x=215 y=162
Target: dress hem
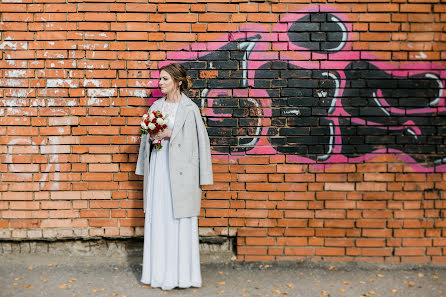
x=170 y=287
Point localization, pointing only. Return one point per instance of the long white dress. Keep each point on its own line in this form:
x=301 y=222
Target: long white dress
x=171 y=255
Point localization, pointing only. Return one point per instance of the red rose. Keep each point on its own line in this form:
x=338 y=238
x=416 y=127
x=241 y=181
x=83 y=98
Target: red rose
x=154 y=120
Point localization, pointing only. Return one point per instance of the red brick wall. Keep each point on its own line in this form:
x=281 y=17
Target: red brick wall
x=76 y=77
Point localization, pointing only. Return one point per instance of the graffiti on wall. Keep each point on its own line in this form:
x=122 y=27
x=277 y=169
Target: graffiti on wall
x=299 y=89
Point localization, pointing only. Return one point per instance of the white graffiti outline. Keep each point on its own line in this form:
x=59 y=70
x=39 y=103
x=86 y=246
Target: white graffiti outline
x=330 y=143
x=247 y=46
x=53 y=161
x=335 y=96
x=344 y=34
x=440 y=88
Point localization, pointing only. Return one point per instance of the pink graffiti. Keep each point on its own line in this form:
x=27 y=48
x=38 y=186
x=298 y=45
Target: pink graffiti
x=274 y=44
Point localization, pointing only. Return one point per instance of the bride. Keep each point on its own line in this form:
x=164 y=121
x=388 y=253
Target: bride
x=172 y=179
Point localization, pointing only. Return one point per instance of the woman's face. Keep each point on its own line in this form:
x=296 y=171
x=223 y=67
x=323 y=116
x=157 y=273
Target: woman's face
x=167 y=84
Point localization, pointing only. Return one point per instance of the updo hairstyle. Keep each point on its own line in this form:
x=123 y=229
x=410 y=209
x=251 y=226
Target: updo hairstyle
x=178 y=74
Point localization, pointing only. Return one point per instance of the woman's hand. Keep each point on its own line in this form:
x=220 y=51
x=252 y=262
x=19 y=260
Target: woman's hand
x=166 y=133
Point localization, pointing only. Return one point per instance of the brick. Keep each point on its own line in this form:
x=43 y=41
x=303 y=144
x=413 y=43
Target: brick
x=330 y=251
x=409 y=233
x=368 y=242
x=25 y=224
x=409 y=251
x=300 y=251
x=260 y=241
x=330 y=196
x=376 y=251
x=252 y=250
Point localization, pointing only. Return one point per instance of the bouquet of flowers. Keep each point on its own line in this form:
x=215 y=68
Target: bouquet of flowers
x=152 y=123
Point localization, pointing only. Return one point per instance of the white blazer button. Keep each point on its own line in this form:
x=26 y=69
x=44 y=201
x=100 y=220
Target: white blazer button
x=181 y=173
x=179 y=145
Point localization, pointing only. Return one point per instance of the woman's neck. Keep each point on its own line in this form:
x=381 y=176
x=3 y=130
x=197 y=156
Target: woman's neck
x=175 y=97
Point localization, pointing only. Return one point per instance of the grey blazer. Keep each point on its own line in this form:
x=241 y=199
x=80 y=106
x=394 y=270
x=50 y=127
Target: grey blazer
x=190 y=160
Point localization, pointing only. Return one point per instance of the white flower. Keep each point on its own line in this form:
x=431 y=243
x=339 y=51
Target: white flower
x=144 y=116
x=151 y=126
x=143 y=125
x=160 y=121
x=151 y=116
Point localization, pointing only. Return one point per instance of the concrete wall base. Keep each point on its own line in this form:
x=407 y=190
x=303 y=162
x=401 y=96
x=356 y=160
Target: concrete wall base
x=212 y=249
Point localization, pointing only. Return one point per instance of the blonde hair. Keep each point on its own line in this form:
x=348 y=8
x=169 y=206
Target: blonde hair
x=178 y=74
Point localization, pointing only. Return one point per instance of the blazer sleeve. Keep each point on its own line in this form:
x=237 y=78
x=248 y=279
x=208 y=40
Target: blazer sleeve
x=143 y=147
x=204 y=150
x=142 y=152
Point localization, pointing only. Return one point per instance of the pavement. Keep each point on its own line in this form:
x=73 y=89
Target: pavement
x=56 y=276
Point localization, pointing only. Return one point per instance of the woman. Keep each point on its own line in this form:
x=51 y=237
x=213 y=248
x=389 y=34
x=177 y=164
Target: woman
x=172 y=179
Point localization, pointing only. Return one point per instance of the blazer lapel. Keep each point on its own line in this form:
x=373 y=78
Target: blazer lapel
x=180 y=117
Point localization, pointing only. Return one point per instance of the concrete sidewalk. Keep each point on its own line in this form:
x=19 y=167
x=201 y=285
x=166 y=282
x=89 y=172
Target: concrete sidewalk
x=28 y=275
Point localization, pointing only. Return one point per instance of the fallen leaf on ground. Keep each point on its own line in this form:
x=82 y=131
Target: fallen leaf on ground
x=346 y=283
x=50 y=265
x=44 y=280
x=362 y=282
x=394 y=291
x=411 y=284
x=222 y=283
x=64 y=286
x=220 y=272
x=330 y=268
x=420 y=274
x=325 y=293
x=290 y=286
x=30 y=268
x=147 y=286
x=15 y=284
x=372 y=293
x=435 y=277
x=275 y=291
x=371 y=280
x=380 y=275
x=43 y=272
x=341 y=290
x=28 y=286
